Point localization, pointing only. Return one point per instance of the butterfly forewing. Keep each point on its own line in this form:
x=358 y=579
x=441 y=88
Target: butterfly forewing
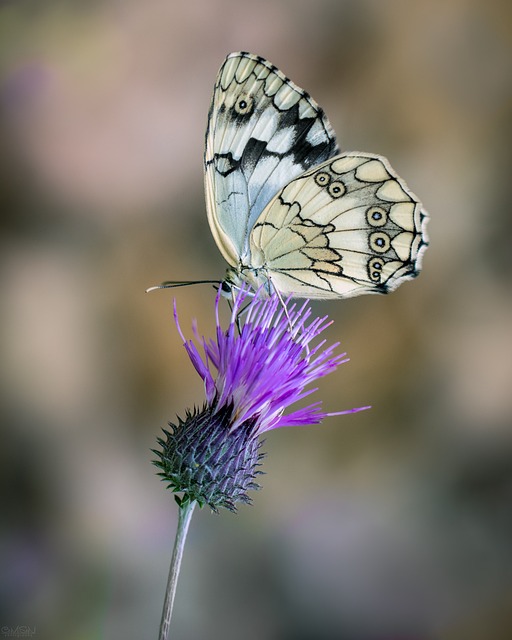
x=263 y=131
x=348 y=226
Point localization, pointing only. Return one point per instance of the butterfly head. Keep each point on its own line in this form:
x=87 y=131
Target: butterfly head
x=257 y=279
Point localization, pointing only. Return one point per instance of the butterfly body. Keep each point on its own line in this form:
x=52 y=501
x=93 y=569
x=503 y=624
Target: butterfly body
x=287 y=210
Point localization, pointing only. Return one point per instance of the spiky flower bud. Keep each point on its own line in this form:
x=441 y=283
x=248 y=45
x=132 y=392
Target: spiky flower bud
x=202 y=458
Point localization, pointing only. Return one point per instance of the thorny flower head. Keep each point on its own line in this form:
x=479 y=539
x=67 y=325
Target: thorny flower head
x=252 y=371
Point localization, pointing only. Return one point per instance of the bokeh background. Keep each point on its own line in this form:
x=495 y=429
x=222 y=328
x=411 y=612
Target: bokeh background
x=391 y=524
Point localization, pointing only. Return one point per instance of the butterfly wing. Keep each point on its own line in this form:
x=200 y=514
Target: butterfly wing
x=347 y=227
x=263 y=131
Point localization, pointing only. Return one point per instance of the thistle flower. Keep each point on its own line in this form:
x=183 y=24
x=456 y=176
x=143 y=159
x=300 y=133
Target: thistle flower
x=252 y=373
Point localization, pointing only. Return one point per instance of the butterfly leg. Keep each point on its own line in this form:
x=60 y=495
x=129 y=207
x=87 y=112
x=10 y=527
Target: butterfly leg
x=231 y=303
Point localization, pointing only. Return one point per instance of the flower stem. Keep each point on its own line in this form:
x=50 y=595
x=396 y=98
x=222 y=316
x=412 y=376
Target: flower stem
x=185 y=514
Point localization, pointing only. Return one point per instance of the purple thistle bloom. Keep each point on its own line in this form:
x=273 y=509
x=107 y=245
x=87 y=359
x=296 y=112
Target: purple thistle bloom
x=251 y=375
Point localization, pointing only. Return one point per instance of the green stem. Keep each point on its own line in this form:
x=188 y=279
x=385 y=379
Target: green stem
x=185 y=514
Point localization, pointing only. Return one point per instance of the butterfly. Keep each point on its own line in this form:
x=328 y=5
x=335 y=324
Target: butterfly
x=287 y=210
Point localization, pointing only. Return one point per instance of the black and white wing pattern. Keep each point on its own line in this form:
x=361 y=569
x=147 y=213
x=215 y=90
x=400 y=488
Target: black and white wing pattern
x=286 y=209
x=263 y=131
x=347 y=227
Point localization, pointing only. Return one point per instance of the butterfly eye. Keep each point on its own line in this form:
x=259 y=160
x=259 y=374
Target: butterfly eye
x=322 y=178
x=375 y=266
x=376 y=216
x=380 y=242
x=226 y=288
x=244 y=105
x=336 y=189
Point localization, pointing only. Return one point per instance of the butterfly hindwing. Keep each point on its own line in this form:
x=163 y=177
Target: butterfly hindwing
x=348 y=226
x=263 y=131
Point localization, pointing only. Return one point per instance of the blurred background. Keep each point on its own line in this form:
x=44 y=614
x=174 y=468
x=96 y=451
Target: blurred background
x=391 y=524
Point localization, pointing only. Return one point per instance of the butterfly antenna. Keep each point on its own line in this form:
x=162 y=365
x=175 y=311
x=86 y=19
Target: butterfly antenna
x=171 y=284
